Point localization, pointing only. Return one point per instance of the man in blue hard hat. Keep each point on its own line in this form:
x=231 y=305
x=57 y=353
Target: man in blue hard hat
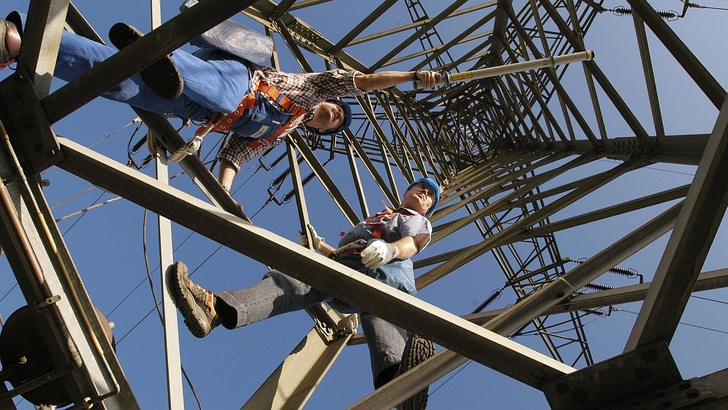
x=228 y=93
x=380 y=246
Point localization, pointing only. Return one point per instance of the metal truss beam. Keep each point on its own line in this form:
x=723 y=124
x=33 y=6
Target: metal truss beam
x=71 y=331
x=716 y=279
x=320 y=272
x=689 y=243
x=692 y=66
x=499 y=147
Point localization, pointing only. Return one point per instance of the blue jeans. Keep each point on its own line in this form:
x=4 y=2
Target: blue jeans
x=279 y=293
x=213 y=81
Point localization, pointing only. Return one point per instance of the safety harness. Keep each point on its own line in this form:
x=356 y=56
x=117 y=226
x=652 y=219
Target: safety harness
x=223 y=122
x=376 y=221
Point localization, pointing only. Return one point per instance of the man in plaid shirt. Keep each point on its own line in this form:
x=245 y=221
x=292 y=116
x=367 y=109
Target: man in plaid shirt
x=211 y=84
x=316 y=93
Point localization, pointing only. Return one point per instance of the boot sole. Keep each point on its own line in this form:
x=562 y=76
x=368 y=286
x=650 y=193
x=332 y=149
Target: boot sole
x=416 y=351
x=162 y=77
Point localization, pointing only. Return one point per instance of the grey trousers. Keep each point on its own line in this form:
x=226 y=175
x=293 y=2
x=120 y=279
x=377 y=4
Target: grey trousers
x=279 y=293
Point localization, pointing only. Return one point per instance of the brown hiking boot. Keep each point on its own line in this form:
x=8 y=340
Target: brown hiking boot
x=196 y=304
x=416 y=351
x=162 y=77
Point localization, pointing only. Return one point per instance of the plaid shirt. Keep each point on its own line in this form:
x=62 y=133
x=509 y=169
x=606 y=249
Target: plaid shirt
x=307 y=90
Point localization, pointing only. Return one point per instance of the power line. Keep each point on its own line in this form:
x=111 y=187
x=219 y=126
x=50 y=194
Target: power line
x=709 y=299
x=699 y=6
x=687 y=324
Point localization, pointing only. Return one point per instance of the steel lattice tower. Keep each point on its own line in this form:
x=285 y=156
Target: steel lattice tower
x=517 y=156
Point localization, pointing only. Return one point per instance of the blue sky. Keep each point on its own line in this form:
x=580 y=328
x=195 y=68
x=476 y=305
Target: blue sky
x=227 y=366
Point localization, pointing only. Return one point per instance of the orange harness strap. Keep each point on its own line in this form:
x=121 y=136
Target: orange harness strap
x=376 y=222
x=222 y=123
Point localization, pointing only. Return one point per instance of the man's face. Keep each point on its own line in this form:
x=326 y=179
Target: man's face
x=327 y=117
x=419 y=198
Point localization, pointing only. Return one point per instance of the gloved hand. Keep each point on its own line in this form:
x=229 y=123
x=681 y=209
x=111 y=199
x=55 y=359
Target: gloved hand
x=311 y=233
x=378 y=253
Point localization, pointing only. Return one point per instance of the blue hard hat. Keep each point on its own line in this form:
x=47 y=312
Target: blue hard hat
x=435 y=188
x=347 y=118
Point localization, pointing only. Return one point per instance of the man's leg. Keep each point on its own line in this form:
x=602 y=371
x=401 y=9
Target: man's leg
x=392 y=354
x=203 y=310
x=162 y=76
x=226 y=174
x=386 y=343
x=77 y=54
x=214 y=80
x=209 y=87
x=275 y=294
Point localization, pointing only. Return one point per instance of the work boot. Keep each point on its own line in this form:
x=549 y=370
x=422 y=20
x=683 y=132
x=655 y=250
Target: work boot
x=9 y=42
x=162 y=77
x=196 y=304
x=416 y=351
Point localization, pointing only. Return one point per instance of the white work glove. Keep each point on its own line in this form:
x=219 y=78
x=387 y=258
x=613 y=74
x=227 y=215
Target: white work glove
x=378 y=253
x=311 y=233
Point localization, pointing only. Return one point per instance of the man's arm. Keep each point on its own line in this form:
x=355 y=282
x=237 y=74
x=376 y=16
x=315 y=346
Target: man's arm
x=409 y=246
x=325 y=248
x=235 y=153
x=226 y=174
x=386 y=79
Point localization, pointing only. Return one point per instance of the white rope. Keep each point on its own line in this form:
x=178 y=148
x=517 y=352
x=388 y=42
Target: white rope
x=191 y=147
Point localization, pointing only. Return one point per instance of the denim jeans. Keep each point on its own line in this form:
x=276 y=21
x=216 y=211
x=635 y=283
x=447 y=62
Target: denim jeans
x=213 y=81
x=279 y=293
